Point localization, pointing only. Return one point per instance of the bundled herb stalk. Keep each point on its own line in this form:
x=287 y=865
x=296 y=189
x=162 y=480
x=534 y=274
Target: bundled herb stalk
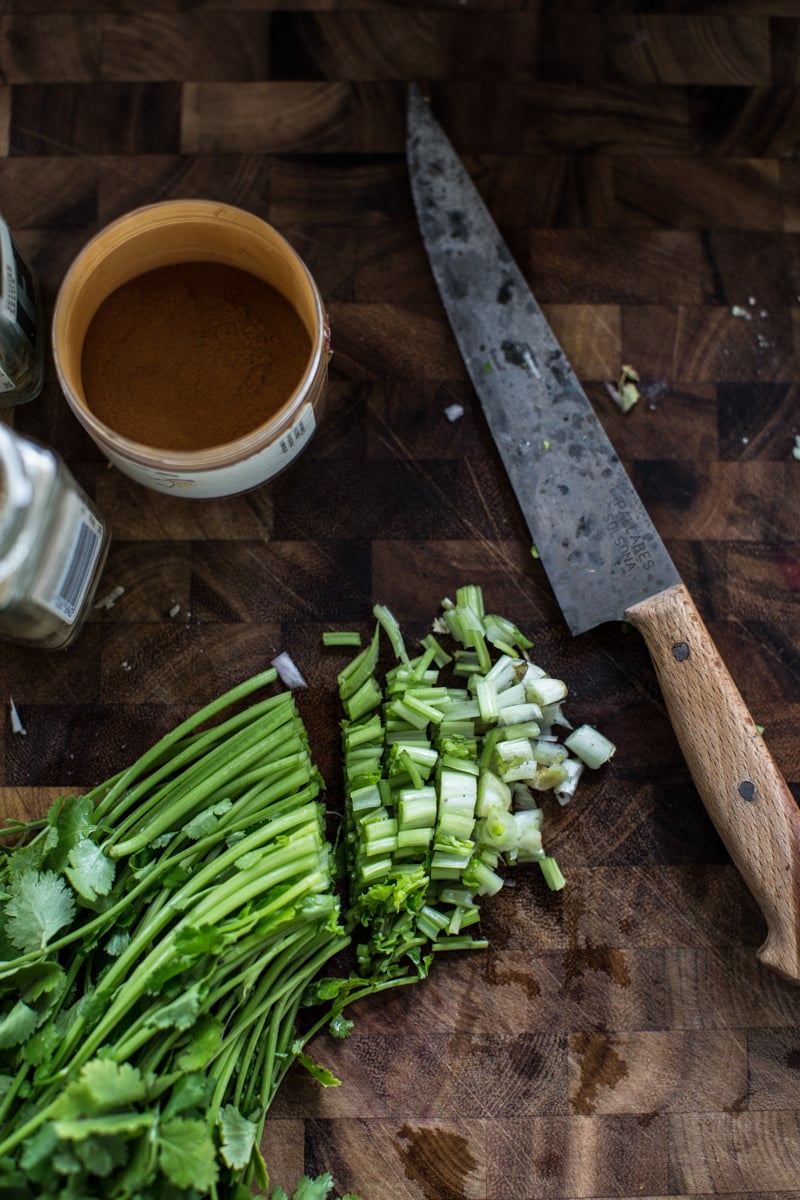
x=160 y=934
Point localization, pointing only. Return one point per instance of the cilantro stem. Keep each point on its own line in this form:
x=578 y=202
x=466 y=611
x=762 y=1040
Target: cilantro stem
x=151 y=758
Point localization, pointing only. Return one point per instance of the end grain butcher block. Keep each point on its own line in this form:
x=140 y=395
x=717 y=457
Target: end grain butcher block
x=618 y=1039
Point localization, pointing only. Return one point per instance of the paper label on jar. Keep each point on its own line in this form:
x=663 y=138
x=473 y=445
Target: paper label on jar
x=236 y=477
x=9 y=281
x=74 y=569
x=7 y=384
x=17 y=304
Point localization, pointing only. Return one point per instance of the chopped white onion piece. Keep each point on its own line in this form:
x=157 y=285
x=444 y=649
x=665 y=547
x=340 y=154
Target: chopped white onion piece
x=288 y=671
x=16 y=722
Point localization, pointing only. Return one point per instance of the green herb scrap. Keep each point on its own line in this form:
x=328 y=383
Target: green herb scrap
x=156 y=941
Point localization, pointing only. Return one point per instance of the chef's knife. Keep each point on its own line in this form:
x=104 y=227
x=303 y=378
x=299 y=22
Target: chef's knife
x=603 y=557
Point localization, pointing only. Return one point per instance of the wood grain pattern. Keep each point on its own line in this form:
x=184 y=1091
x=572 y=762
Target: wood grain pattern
x=620 y=1040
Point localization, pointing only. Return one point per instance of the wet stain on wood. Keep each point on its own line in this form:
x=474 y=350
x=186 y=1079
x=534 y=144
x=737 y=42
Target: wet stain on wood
x=499 y=975
x=600 y=1067
x=437 y=1159
x=578 y=960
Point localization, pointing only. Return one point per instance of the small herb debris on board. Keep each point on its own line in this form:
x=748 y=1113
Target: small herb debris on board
x=626 y=394
x=164 y=937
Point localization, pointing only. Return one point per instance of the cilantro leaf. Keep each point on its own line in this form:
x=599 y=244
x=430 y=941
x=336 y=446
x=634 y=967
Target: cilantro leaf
x=186 y=1153
x=238 y=1136
x=189 y=1091
x=38 y=978
x=340 y=1026
x=117 y=943
x=102 y=1086
x=206 y=1042
x=181 y=1013
x=70 y=819
x=77 y=1129
x=206 y=822
x=39 y=1147
x=42 y=1045
x=40 y=905
x=17 y=1025
x=89 y=871
x=102 y=1155
x=314 y=1189
x=321 y=1074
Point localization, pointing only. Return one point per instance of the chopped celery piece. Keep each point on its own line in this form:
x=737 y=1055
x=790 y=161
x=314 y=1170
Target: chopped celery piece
x=548 y=752
x=498 y=829
x=365 y=731
x=527 y=729
x=514 y=694
x=417 y=807
x=503 y=672
x=552 y=874
x=365 y=698
x=459 y=943
x=528 y=835
x=375 y=830
x=565 y=790
x=455 y=824
x=493 y=792
x=518 y=714
x=457 y=763
x=545 y=690
x=364 y=798
x=343 y=637
x=440 y=655
x=417 y=711
x=386 y=619
x=415 y=838
x=590 y=746
x=484 y=880
x=501 y=631
x=361 y=667
x=486 y=696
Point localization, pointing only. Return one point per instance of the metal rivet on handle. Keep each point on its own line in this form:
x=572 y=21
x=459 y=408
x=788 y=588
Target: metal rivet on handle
x=680 y=651
x=747 y=790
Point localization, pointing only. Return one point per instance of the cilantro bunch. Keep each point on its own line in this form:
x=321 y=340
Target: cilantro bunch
x=156 y=940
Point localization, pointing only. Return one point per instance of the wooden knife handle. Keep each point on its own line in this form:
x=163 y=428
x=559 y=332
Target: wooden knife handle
x=743 y=791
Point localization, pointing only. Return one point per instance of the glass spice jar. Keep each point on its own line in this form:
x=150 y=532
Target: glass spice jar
x=53 y=545
x=21 y=341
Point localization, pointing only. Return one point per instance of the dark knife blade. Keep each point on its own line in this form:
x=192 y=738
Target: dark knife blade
x=596 y=541
x=602 y=554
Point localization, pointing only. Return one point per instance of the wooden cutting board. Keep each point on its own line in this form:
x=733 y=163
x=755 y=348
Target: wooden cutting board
x=618 y=1040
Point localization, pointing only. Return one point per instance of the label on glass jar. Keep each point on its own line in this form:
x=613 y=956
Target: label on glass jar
x=233 y=478
x=6 y=382
x=68 y=581
x=18 y=306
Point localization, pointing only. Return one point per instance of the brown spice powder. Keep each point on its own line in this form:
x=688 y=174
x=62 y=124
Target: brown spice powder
x=192 y=355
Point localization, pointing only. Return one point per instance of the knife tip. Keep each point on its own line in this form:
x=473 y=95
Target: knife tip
x=417 y=96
